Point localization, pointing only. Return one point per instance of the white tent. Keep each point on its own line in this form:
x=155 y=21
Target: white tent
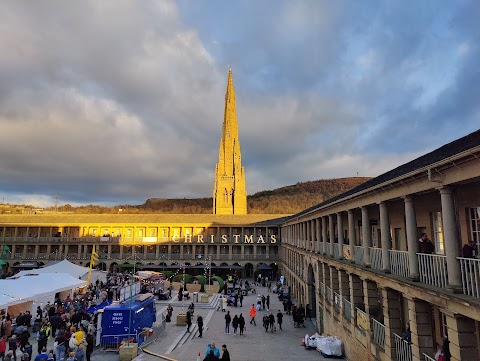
x=29 y=291
x=66 y=266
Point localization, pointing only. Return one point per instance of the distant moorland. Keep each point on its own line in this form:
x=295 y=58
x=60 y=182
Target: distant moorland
x=286 y=200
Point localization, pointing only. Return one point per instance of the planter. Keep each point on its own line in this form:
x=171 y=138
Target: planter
x=211 y=289
x=181 y=319
x=177 y=285
x=194 y=287
x=127 y=352
x=204 y=298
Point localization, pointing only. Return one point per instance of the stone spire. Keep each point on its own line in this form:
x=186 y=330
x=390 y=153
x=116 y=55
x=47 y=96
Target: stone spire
x=229 y=191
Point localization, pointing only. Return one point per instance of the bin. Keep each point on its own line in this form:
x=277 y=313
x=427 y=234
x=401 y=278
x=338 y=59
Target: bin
x=195 y=296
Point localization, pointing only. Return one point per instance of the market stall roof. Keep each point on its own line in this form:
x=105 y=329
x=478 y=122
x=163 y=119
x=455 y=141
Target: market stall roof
x=7 y=300
x=28 y=286
x=265 y=267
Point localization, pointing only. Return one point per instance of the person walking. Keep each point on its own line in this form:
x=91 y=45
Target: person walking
x=267 y=301
x=226 y=354
x=12 y=345
x=271 y=322
x=200 y=325
x=263 y=302
x=241 y=324
x=90 y=345
x=241 y=299
x=279 y=319
x=228 y=319
x=235 y=325
x=253 y=313
x=189 y=320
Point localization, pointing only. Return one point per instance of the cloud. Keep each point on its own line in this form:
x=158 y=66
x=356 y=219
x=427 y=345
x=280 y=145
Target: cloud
x=115 y=102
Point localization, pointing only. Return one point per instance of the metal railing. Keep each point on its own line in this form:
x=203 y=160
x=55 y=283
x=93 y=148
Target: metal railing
x=433 y=269
x=347 y=310
x=378 y=333
x=403 y=349
x=337 y=301
x=329 y=294
x=322 y=289
x=428 y=358
x=359 y=254
x=376 y=258
x=320 y=245
x=470 y=268
x=399 y=264
x=337 y=250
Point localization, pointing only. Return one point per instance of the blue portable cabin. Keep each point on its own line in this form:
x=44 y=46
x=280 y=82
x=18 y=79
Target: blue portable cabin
x=140 y=312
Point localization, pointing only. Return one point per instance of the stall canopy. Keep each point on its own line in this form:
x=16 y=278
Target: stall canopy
x=66 y=266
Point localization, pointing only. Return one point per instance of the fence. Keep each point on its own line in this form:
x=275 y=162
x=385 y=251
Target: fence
x=433 y=269
x=470 y=268
x=428 y=358
x=376 y=258
x=337 y=250
x=378 y=333
x=322 y=289
x=399 y=264
x=321 y=249
x=403 y=349
x=358 y=254
x=337 y=301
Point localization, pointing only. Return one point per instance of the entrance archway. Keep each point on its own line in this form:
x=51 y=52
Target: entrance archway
x=248 y=270
x=311 y=296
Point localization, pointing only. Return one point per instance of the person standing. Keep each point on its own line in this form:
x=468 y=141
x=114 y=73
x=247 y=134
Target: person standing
x=12 y=345
x=189 y=320
x=308 y=312
x=226 y=354
x=253 y=313
x=271 y=322
x=263 y=302
x=279 y=319
x=426 y=246
x=200 y=325
x=241 y=324
x=3 y=347
x=241 y=299
x=90 y=345
x=267 y=301
x=228 y=319
x=235 y=325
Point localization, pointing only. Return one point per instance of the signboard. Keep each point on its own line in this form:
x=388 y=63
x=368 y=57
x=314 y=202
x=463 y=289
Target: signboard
x=362 y=320
x=346 y=253
x=149 y=239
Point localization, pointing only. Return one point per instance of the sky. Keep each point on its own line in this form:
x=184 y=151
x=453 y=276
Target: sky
x=114 y=102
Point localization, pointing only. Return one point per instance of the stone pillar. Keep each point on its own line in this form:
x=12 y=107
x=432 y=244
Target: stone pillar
x=366 y=236
x=308 y=238
x=331 y=230
x=121 y=252
x=230 y=252
x=450 y=233
x=340 y=233
x=392 y=319
x=352 y=238
x=37 y=247
x=412 y=242
x=420 y=315
x=462 y=337
x=324 y=235
x=385 y=233
x=317 y=236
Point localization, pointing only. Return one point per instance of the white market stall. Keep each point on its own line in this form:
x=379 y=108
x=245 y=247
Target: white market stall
x=66 y=266
x=29 y=291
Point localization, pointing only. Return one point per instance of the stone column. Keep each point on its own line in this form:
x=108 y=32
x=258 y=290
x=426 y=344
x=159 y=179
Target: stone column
x=317 y=236
x=230 y=252
x=324 y=235
x=412 y=242
x=450 y=233
x=37 y=247
x=331 y=230
x=366 y=236
x=462 y=337
x=392 y=319
x=308 y=235
x=420 y=316
x=352 y=238
x=340 y=233
x=385 y=232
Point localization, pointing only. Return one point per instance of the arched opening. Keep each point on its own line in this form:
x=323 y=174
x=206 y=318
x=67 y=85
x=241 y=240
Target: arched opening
x=311 y=297
x=248 y=270
x=102 y=266
x=113 y=267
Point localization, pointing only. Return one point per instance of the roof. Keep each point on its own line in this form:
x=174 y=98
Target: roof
x=72 y=219
x=446 y=151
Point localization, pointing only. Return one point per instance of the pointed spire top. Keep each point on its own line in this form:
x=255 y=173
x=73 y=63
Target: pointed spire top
x=230 y=94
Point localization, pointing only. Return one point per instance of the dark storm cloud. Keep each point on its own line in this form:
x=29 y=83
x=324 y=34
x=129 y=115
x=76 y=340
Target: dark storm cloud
x=118 y=101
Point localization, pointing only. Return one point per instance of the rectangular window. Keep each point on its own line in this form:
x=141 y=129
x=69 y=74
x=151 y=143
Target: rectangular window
x=475 y=225
x=438 y=232
x=129 y=233
x=152 y=233
x=140 y=232
x=164 y=233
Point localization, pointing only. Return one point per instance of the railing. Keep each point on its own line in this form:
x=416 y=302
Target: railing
x=428 y=358
x=378 y=333
x=322 y=289
x=359 y=254
x=337 y=250
x=403 y=349
x=470 y=268
x=433 y=269
x=347 y=310
x=399 y=263
x=329 y=294
x=376 y=258
x=337 y=301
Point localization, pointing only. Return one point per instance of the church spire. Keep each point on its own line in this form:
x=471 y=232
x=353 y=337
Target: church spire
x=229 y=193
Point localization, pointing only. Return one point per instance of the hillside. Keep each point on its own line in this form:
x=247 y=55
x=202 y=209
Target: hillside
x=285 y=200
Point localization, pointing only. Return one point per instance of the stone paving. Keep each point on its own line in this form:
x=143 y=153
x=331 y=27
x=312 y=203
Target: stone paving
x=256 y=344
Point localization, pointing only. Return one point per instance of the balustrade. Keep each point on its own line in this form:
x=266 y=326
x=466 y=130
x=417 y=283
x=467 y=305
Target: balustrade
x=378 y=333
x=399 y=264
x=347 y=310
x=433 y=269
x=470 y=269
x=329 y=294
x=376 y=258
x=358 y=254
x=403 y=349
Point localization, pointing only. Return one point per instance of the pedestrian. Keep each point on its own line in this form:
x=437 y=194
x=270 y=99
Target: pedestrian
x=228 y=319
x=3 y=346
x=253 y=313
x=12 y=345
x=200 y=325
x=425 y=245
x=211 y=357
x=90 y=345
x=265 y=322
x=189 y=320
x=241 y=299
x=308 y=312
x=279 y=319
x=235 y=325
x=226 y=354
x=241 y=324
x=271 y=322
x=211 y=347
x=60 y=347
x=267 y=301
x=42 y=355
x=263 y=302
